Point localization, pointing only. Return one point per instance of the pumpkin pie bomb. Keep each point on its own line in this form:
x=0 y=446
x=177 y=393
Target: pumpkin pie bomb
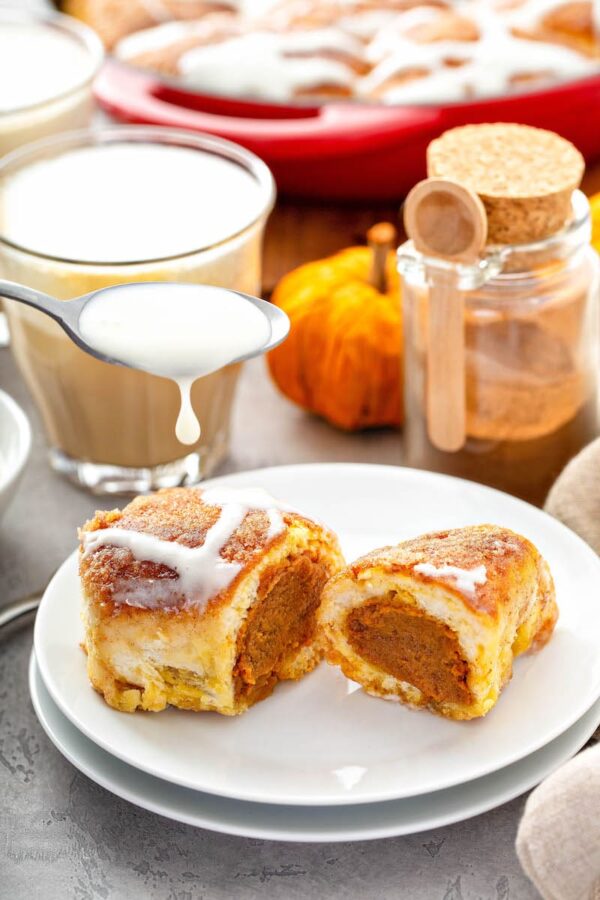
x=202 y=599
x=437 y=621
x=113 y=20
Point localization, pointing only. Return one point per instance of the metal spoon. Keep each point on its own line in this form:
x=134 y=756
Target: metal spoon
x=67 y=313
x=19 y=609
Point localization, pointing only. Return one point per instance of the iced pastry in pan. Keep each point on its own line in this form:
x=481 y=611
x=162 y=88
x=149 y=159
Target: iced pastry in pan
x=217 y=56
x=393 y=51
x=201 y=599
x=161 y=48
x=436 y=621
x=457 y=55
x=569 y=22
x=114 y=19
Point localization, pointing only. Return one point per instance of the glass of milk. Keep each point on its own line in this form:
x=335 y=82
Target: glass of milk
x=90 y=209
x=47 y=65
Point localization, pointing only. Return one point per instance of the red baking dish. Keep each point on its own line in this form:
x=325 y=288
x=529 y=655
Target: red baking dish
x=344 y=150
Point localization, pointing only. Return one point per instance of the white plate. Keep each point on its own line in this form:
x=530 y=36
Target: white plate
x=15 y=446
x=322 y=741
x=366 y=821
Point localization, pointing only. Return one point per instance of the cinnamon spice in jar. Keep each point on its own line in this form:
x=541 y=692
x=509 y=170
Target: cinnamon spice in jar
x=530 y=348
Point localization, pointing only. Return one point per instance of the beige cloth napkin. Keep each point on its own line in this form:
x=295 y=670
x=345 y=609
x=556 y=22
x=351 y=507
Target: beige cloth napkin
x=575 y=497
x=558 y=841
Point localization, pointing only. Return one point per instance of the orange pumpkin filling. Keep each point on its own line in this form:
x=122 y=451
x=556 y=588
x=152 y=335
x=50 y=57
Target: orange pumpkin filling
x=407 y=643
x=282 y=620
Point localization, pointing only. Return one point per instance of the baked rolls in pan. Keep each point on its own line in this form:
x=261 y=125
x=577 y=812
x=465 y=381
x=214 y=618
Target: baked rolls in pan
x=202 y=599
x=436 y=621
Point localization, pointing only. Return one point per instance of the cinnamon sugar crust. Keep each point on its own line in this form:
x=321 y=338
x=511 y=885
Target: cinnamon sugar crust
x=149 y=645
x=508 y=558
x=173 y=514
x=437 y=621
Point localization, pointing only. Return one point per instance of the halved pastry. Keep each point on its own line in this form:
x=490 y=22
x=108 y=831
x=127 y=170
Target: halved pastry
x=437 y=621
x=202 y=599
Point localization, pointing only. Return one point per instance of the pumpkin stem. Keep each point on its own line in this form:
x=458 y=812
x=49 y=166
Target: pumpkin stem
x=381 y=239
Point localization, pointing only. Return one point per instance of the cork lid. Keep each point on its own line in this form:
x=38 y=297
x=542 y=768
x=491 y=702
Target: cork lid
x=524 y=176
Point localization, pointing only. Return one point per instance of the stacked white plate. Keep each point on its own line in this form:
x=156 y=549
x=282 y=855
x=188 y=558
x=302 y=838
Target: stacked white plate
x=320 y=760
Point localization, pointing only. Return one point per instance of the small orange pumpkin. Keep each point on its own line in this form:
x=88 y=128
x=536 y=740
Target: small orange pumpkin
x=342 y=359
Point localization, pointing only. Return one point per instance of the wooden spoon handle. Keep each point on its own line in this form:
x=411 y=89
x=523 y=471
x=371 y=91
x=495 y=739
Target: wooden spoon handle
x=446 y=397
x=447 y=221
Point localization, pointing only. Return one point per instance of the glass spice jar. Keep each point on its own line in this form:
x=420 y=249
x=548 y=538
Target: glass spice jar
x=530 y=356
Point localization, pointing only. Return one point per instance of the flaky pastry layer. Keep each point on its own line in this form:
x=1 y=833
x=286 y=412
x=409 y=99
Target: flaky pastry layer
x=437 y=621
x=224 y=655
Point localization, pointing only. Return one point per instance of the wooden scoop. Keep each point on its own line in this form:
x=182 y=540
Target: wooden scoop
x=447 y=221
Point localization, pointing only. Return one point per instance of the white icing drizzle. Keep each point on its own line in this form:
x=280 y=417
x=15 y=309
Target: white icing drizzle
x=202 y=573
x=273 y=66
x=157 y=38
x=277 y=65
x=465 y=580
x=366 y=24
x=251 y=498
x=386 y=40
x=489 y=64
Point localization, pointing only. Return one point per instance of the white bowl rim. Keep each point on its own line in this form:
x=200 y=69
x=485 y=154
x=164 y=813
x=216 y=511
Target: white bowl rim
x=16 y=464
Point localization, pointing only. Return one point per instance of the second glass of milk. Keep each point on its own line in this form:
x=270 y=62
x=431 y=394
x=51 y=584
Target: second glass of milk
x=91 y=209
x=47 y=65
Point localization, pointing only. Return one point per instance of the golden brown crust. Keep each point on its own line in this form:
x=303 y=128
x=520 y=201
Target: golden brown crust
x=437 y=621
x=306 y=14
x=505 y=554
x=447 y=26
x=212 y=29
x=173 y=514
x=224 y=654
x=571 y=24
x=114 y=19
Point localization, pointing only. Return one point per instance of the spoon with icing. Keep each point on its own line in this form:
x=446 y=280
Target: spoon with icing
x=177 y=331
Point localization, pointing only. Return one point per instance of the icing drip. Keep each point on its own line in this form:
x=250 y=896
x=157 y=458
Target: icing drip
x=202 y=573
x=187 y=427
x=182 y=332
x=465 y=580
x=272 y=66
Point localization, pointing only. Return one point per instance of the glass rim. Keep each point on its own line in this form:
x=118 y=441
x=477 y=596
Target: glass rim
x=149 y=134
x=81 y=32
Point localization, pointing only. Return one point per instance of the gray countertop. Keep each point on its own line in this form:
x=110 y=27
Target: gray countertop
x=63 y=836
